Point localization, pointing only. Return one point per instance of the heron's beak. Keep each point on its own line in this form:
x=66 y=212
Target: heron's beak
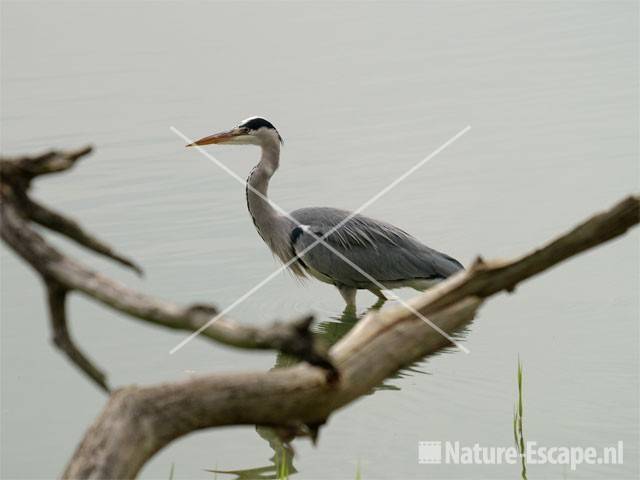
x=222 y=137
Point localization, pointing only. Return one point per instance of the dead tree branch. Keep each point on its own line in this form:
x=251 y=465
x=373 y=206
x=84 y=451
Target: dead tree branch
x=300 y=397
x=63 y=275
x=378 y=346
x=57 y=299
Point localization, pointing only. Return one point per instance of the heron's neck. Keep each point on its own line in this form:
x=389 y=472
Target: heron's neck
x=264 y=216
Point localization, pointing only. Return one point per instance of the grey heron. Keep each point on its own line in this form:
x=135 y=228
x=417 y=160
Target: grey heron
x=358 y=252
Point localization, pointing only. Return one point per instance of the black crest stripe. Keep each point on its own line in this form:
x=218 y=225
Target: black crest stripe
x=256 y=123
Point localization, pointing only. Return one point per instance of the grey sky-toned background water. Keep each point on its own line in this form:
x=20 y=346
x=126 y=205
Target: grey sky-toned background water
x=360 y=92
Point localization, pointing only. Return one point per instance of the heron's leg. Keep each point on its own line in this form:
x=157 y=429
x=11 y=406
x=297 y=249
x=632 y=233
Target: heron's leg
x=349 y=295
x=382 y=298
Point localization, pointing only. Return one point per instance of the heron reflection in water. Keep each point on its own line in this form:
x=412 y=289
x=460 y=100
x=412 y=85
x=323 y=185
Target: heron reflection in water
x=282 y=461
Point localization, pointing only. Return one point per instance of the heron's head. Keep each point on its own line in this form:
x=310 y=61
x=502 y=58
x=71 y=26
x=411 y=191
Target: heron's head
x=252 y=131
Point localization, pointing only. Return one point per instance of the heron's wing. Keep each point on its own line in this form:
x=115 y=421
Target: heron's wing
x=383 y=251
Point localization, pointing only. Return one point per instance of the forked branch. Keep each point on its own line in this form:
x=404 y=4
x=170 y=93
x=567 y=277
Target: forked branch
x=63 y=275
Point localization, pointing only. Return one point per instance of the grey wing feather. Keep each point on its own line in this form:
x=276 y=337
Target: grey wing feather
x=383 y=251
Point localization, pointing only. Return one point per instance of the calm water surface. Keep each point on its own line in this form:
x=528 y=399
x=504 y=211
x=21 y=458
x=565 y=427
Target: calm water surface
x=360 y=92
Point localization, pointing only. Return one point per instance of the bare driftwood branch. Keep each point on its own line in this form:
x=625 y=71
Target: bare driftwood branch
x=71 y=229
x=139 y=421
x=63 y=275
x=57 y=297
x=27 y=167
